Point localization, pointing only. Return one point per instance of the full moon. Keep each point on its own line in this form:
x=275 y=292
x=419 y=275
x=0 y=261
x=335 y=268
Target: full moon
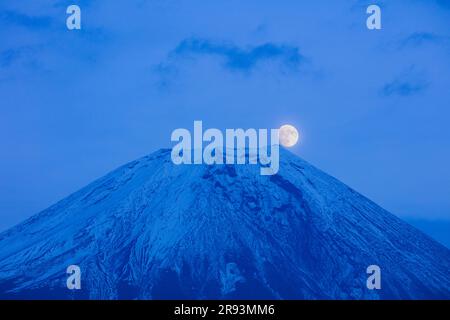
x=288 y=135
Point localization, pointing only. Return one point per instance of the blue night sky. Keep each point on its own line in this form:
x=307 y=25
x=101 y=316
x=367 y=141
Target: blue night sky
x=372 y=106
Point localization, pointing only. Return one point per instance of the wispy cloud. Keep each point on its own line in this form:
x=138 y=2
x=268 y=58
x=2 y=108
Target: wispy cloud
x=402 y=88
x=237 y=58
x=24 y=20
x=443 y=3
x=7 y=57
x=408 y=83
x=19 y=55
x=421 y=38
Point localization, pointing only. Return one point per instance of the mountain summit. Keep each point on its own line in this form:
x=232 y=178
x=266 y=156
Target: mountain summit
x=155 y=230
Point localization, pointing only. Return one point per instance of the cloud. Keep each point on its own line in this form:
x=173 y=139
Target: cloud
x=7 y=57
x=443 y=3
x=18 y=55
x=241 y=59
x=402 y=88
x=410 y=82
x=420 y=38
x=24 y=20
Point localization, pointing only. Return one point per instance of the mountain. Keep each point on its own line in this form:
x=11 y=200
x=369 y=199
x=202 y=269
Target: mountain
x=154 y=230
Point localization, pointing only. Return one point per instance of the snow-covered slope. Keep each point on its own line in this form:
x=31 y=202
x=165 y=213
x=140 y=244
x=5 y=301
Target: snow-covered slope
x=151 y=229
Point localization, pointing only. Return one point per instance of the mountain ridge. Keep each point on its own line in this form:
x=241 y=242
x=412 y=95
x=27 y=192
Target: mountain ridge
x=154 y=230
